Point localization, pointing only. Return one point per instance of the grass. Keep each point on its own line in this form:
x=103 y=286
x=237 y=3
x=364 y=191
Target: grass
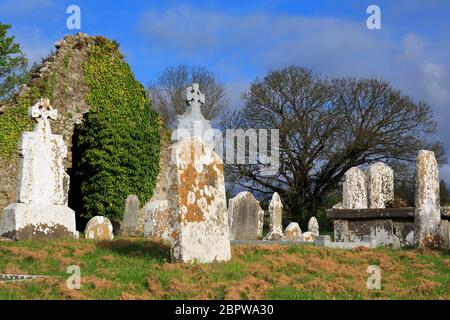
x=140 y=269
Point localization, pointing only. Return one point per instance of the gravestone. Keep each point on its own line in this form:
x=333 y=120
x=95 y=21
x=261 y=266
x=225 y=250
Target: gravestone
x=293 y=232
x=313 y=226
x=275 y=216
x=354 y=192
x=245 y=217
x=427 y=216
x=196 y=192
x=308 y=237
x=99 y=228
x=158 y=220
x=41 y=210
x=380 y=182
x=130 y=223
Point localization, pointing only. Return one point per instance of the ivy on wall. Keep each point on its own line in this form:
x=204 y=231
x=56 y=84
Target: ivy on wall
x=119 y=139
x=15 y=120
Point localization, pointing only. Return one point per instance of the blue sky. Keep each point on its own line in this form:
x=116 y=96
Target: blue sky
x=242 y=40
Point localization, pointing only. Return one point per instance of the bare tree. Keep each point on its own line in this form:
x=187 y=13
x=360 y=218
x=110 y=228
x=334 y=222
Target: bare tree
x=168 y=92
x=325 y=128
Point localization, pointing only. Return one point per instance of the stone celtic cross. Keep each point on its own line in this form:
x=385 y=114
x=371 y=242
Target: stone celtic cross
x=194 y=98
x=43 y=110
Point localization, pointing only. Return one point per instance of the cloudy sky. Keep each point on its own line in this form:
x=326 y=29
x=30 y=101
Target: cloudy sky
x=242 y=40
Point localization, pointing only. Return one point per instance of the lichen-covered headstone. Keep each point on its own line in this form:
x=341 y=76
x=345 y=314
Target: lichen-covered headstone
x=200 y=231
x=313 y=226
x=293 y=232
x=380 y=185
x=308 y=236
x=275 y=216
x=245 y=217
x=99 y=228
x=354 y=193
x=158 y=220
x=427 y=217
x=130 y=223
x=41 y=210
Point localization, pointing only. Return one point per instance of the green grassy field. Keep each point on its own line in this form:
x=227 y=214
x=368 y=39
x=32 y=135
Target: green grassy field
x=140 y=269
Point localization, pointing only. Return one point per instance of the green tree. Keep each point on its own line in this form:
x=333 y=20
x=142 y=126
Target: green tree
x=325 y=128
x=13 y=64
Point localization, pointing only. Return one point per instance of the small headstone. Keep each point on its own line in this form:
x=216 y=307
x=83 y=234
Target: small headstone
x=245 y=217
x=380 y=182
x=427 y=217
x=308 y=236
x=158 y=220
x=293 y=232
x=275 y=213
x=354 y=191
x=99 y=228
x=41 y=211
x=313 y=226
x=130 y=223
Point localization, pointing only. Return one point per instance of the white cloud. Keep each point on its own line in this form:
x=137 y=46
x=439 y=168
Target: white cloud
x=242 y=45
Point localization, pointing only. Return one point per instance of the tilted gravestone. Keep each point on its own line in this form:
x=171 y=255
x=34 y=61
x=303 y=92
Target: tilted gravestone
x=130 y=224
x=245 y=217
x=275 y=216
x=41 y=210
x=99 y=228
x=354 y=191
x=427 y=217
x=196 y=192
x=380 y=185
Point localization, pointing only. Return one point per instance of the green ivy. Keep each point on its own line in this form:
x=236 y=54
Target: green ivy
x=119 y=139
x=15 y=120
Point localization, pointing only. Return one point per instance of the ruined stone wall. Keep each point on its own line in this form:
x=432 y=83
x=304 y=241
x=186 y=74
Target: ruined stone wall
x=63 y=78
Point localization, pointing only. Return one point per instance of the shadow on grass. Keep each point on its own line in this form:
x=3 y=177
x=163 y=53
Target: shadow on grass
x=137 y=248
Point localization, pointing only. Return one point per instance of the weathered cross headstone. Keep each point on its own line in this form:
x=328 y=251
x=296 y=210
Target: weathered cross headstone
x=41 y=210
x=245 y=217
x=380 y=182
x=275 y=213
x=99 y=228
x=196 y=193
x=130 y=223
x=192 y=123
x=427 y=217
x=293 y=232
x=354 y=193
x=313 y=226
